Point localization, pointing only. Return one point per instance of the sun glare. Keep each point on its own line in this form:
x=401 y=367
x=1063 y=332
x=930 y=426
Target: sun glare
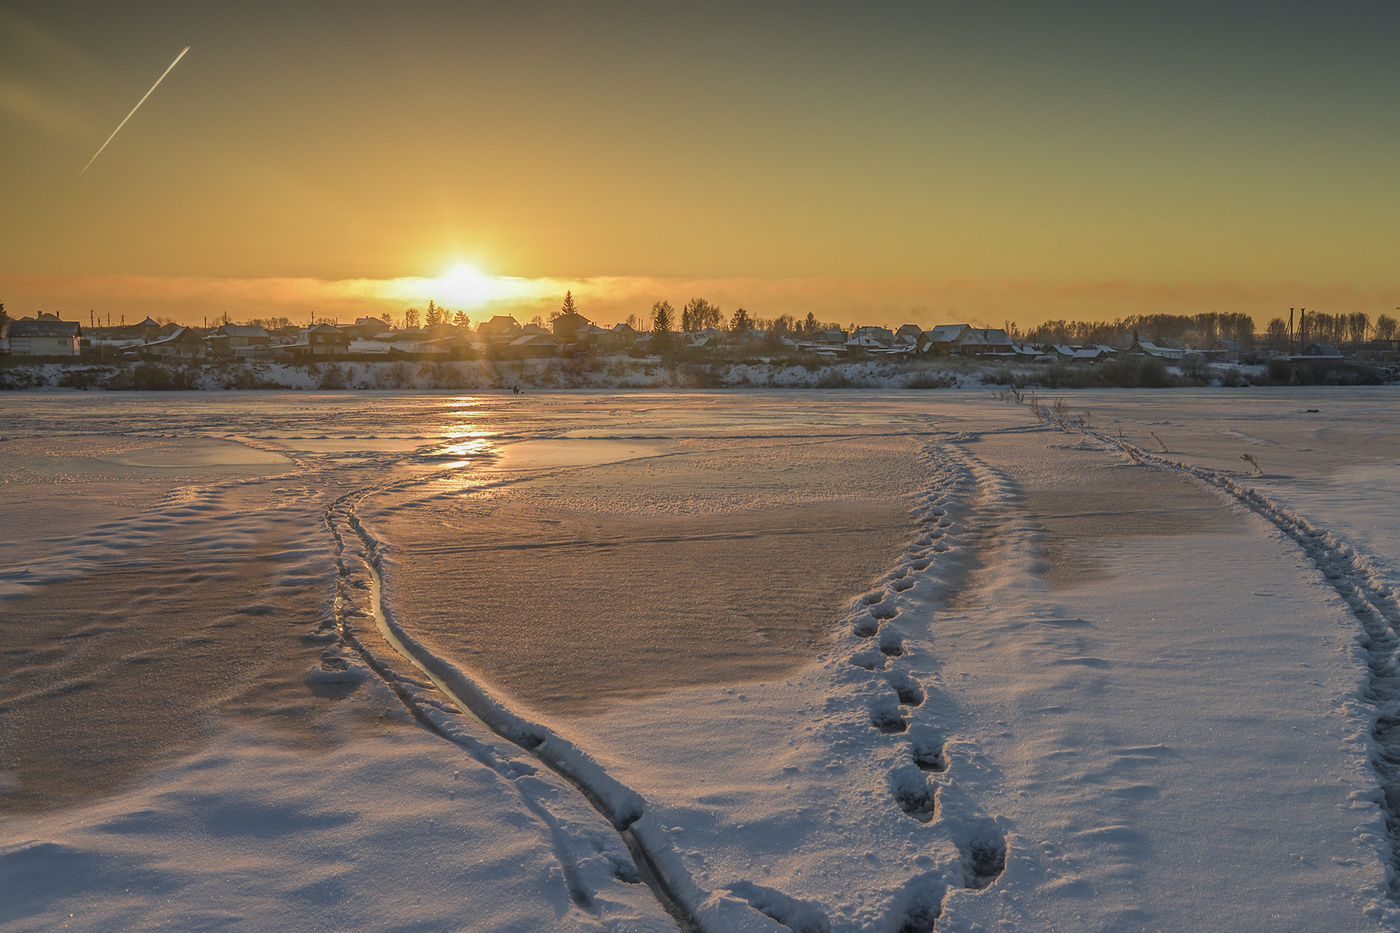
x=464 y=286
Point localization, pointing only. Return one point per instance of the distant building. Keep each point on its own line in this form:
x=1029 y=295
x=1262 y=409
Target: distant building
x=45 y=337
x=571 y=327
x=621 y=337
x=321 y=340
x=871 y=336
x=1227 y=350
x=183 y=344
x=1321 y=351
x=983 y=341
x=499 y=326
x=1148 y=348
x=366 y=328
x=239 y=340
x=498 y=333
x=940 y=340
x=533 y=346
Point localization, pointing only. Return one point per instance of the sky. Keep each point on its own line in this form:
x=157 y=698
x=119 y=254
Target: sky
x=871 y=163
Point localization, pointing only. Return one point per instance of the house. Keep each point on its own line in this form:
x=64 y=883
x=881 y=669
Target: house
x=183 y=344
x=144 y=332
x=532 y=346
x=442 y=331
x=45 y=337
x=619 y=338
x=871 y=336
x=983 y=341
x=1320 y=351
x=321 y=340
x=409 y=343
x=912 y=331
x=572 y=327
x=1148 y=348
x=327 y=340
x=940 y=340
x=366 y=328
x=498 y=332
x=239 y=340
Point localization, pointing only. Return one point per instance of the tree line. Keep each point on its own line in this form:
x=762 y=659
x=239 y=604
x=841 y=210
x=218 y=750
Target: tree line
x=1199 y=330
x=699 y=314
x=1202 y=330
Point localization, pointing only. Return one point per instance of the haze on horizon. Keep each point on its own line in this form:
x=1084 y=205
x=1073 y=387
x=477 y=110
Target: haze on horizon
x=871 y=162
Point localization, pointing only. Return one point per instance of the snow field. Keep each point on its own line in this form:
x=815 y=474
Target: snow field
x=1165 y=721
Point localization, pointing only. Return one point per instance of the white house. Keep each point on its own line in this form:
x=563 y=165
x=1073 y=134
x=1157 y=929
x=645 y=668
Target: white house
x=45 y=337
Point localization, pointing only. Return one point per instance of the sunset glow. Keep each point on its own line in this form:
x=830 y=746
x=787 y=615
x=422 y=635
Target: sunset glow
x=464 y=287
x=878 y=163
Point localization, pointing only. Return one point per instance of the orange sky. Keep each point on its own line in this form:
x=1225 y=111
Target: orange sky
x=875 y=163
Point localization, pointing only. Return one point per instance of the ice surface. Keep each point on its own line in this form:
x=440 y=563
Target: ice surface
x=965 y=668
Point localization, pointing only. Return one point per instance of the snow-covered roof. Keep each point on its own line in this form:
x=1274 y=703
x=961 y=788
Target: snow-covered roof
x=180 y=335
x=241 y=330
x=944 y=333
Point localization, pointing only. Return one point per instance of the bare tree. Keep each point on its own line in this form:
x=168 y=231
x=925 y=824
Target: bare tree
x=1386 y=326
x=699 y=314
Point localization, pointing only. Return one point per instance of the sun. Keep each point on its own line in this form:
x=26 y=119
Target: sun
x=464 y=286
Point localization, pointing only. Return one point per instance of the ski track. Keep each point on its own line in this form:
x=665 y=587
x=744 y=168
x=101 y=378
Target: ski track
x=875 y=646
x=1371 y=602
x=876 y=641
x=1355 y=579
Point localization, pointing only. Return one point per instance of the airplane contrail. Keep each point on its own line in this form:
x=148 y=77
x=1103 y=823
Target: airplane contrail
x=133 y=110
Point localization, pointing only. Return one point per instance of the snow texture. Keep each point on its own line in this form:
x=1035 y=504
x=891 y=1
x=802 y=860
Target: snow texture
x=1116 y=677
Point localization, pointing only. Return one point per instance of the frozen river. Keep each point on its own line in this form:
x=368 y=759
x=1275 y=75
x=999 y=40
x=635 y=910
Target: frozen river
x=741 y=660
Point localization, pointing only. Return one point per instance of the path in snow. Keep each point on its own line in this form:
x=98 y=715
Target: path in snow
x=1044 y=714
x=978 y=849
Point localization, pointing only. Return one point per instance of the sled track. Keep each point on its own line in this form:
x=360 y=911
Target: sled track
x=657 y=863
x=878 y=646
x=1371 y=602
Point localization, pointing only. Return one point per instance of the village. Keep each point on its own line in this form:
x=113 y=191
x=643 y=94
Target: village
x=570 y=335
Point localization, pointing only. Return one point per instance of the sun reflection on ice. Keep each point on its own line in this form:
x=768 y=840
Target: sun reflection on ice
x=466 y=442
